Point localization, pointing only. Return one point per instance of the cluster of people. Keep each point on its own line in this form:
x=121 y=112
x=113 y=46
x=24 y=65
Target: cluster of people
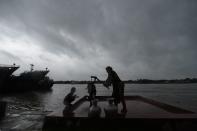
x=117 y=96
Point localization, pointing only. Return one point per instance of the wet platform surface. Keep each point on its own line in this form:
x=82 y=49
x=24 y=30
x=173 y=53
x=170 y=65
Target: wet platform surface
x=143 y=114
x=134 y=107
x=138 y=107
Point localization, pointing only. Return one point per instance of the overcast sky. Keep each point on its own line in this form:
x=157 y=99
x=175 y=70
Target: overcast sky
x=154 y=39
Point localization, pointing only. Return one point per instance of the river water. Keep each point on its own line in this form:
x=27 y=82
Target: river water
x=181 y=95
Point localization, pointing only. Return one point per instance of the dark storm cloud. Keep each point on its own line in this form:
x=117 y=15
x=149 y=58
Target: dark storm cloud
x=152 y=39
x=45 y=19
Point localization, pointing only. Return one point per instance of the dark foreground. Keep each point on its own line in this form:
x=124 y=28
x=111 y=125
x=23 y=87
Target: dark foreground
x=143 y=114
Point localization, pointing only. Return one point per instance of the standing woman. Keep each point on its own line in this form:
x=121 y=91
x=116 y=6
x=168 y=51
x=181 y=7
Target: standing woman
x=118 y=87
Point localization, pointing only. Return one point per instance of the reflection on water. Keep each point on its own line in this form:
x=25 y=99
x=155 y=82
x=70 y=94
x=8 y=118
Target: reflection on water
x=182 y=95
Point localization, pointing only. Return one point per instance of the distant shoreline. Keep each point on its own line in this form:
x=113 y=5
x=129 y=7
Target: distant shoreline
x=139 y=81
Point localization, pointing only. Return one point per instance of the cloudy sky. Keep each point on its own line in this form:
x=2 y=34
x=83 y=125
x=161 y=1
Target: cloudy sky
x=154 y=39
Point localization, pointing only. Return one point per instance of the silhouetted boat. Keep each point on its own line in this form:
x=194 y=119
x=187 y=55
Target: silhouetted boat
x=143 y=114
x=5 y=73
x=29 y=80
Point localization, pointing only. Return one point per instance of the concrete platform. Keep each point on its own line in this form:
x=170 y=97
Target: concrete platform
x=143 y=113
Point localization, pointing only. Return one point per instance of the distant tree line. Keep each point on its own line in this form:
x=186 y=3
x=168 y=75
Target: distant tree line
x=176 y=81
x=138 y=81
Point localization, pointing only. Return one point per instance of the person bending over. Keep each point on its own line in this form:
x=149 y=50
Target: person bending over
x=70 y=97
x=118 y=87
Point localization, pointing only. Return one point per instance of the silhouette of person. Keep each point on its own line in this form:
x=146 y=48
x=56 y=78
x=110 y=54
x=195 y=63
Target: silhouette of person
x=94 y=110
x=68 y=111
x=111 y=110
x=91 y=91
x=70 y=97
x=118 y=87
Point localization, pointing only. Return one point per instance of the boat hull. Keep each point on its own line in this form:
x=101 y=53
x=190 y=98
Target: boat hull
x=28 y=81
x=5 y=74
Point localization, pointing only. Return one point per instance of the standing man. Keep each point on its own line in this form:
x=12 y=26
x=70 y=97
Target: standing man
x=118 y=87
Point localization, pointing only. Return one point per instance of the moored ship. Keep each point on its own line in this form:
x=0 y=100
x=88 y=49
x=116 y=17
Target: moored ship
x=6 y=72
x=29 y=80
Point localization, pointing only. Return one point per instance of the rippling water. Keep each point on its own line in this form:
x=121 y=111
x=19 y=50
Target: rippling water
x=182 y=95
